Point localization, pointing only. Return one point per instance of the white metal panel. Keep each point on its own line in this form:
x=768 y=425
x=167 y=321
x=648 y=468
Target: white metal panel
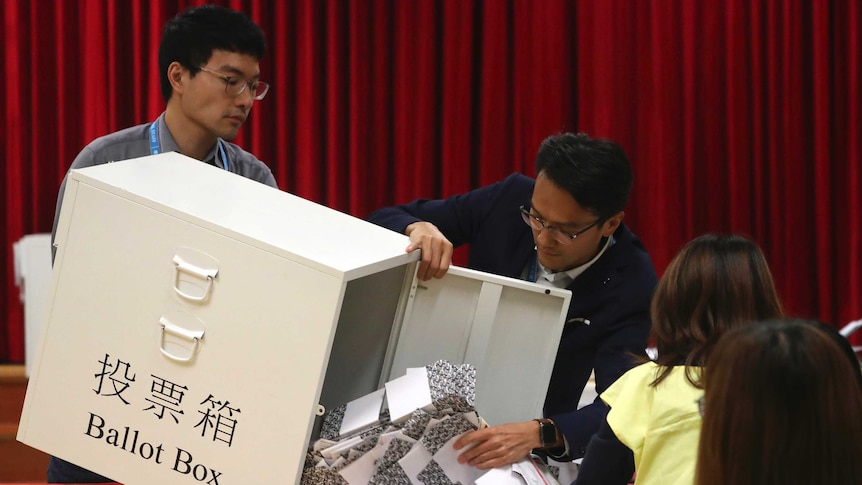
x=482 y=327
x=298 y=229
x=365 y=330
x=33 y=275
x=507 y=328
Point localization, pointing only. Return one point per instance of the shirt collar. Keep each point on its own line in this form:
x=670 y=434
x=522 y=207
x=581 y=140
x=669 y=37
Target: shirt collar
x=562 y=279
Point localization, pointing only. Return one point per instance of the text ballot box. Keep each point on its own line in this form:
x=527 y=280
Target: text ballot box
x=198 y=322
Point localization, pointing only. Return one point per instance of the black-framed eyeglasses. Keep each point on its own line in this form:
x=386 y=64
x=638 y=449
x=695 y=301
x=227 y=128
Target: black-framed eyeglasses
x=700 y=405
x=559 y=235
x=236 y=85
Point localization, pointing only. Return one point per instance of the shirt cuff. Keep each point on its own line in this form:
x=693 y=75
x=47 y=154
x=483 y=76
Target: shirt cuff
x=560 y=452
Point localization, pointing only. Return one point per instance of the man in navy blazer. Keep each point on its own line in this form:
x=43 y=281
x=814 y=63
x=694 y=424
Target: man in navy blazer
x=562 y=229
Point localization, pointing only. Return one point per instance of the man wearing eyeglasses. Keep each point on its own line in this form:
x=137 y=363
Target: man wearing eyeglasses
x=208 y=59
x=563 y=229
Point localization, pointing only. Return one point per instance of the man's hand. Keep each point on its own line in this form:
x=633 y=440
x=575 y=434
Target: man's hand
x=499 y=445
x=436 y=249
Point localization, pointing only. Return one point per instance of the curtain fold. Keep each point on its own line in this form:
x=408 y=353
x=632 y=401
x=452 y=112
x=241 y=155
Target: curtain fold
x=738 y=116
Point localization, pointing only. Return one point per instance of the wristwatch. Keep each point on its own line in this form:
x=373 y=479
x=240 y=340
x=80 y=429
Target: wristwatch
x=547 y=433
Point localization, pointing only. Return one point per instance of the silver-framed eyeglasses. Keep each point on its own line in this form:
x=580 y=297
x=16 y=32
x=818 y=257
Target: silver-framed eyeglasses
x=236 y=85
x=559 y=235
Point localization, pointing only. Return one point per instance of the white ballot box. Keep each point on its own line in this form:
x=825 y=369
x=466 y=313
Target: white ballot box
x=198 y=323
x=33 y=277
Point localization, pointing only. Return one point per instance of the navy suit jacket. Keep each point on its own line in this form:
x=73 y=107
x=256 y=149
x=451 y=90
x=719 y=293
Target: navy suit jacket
x=608 y=318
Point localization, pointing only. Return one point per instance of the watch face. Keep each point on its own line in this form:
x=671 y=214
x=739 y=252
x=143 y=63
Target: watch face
x=548 y=433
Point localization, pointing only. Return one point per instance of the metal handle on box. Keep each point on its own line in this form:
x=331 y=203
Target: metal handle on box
x=192 y=335
x=202 y=273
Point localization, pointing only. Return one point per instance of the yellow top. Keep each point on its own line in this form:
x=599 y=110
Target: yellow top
x=661 y=425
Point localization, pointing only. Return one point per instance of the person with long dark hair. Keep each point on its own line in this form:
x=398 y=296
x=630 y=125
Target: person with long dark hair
x=782 y=405
x=714 y=284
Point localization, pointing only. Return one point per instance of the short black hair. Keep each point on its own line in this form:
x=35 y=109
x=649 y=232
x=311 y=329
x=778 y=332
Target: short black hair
x=191 y=37
x=594 y=171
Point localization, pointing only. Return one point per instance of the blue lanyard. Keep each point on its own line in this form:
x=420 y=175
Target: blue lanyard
x=155 y=147
x=534 y=268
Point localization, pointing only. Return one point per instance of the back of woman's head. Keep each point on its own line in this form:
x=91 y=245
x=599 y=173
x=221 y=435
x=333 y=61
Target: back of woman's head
x=715 y=283
x=782 y=405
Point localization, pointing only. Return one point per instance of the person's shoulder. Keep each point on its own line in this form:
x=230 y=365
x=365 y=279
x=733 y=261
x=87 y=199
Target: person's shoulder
x=515 y=186
x=628 y=250
x=248 y=165
x=639 y=379
x=236 y=152
x=624 y=236
x=645 y=372
x=132 y=133
x=120 y=145
x=627 y=264
x=519 y=180
x=635 y=381
x=639 y=375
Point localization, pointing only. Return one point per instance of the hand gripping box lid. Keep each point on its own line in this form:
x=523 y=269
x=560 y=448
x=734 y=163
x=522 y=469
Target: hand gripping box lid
x=198 y=323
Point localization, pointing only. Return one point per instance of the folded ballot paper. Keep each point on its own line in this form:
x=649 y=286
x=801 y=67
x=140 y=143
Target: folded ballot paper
x=404 y=434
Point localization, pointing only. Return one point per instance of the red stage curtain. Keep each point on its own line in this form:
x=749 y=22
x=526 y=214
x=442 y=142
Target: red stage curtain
x=738 y=115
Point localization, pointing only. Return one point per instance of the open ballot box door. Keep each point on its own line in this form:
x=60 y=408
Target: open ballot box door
x=198 y=323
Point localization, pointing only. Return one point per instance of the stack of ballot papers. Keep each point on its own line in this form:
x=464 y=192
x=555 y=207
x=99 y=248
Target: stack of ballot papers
x=404 y=434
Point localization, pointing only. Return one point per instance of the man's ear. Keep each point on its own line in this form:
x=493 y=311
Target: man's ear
x=612 y=224
x=176 y=73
